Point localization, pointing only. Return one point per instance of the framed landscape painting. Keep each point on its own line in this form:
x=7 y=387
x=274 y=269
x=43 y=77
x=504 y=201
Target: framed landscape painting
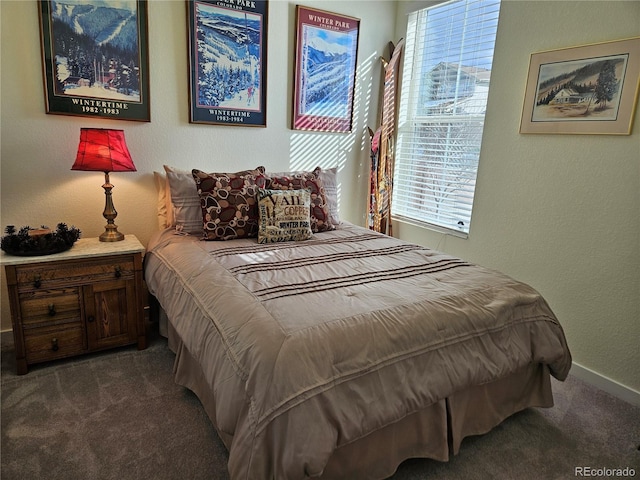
x=325 y=68
x=95 y=58
x=591 y=89
x=228 y=62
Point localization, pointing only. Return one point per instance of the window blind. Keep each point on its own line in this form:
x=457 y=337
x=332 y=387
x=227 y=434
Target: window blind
x=445 y=85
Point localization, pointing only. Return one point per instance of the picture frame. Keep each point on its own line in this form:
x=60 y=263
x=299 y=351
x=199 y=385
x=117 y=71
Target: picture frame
x=95 y=56
x=326 y=53
x=228 y=62
x=589 y=89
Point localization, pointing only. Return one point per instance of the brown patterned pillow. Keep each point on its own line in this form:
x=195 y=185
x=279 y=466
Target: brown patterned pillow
x=284 y=215
x=229 y=203
x=329 y=177
x=319 y=210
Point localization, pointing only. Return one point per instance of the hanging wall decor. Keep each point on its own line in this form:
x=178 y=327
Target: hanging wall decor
x=591 y=89
x=228 y=62
x=95 y=58
x=382 y=146
x=325 y=68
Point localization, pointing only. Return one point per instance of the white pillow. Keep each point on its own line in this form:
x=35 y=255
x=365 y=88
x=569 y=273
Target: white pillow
x=329 y=179
x=164 y=200
x=185 y=201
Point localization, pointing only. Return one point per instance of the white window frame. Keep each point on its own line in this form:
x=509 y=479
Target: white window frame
x=440 y=129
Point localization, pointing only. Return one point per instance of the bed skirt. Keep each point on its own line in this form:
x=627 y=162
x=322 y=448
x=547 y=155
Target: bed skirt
x=435 y=432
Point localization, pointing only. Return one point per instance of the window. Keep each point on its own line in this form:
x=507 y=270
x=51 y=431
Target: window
x=445 y=84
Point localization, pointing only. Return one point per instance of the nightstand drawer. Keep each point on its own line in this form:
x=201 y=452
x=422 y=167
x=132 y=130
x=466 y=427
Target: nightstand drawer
x=31 y=277
x=50 y=306
x=49 y=343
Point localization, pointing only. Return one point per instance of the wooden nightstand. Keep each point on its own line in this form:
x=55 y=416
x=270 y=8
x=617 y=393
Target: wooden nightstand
x=86 y=299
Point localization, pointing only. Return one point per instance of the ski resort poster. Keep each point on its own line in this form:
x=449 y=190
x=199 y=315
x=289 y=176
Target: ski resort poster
x=326 y=54
x=227 y=62
x=95 y=58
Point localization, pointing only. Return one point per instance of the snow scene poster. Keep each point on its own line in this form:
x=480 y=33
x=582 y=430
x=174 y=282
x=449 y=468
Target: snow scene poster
x=95 y=58
x=326 y=54
x=227 y=62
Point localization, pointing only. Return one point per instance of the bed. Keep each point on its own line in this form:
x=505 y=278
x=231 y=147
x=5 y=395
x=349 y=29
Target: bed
x=344 y=354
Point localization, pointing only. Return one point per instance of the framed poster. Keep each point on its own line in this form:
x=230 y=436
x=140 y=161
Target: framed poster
x=591 y=89
x=96 y=58
x=325 y=67
x=228 y=62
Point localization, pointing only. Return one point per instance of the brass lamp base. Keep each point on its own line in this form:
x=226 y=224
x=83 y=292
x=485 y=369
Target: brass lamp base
x=111 y=233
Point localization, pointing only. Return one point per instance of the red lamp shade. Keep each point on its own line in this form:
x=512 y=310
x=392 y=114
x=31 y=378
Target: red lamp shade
x=103 y=150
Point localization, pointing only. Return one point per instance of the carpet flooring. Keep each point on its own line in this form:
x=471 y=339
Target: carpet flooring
x=119 y=415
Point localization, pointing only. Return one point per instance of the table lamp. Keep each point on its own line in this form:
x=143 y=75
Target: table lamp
x=104 y=150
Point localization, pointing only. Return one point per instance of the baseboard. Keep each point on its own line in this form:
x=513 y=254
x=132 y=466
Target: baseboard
x=612 y=387
x=6 y=337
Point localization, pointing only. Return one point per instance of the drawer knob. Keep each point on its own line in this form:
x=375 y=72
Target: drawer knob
x=54 y=344
x=37 y=281
x=52 y=309
x=91 y=319
x=118 y=271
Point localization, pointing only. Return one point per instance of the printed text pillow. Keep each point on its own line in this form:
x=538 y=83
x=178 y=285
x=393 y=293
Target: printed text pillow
x=319 y=209
x=284 y=215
